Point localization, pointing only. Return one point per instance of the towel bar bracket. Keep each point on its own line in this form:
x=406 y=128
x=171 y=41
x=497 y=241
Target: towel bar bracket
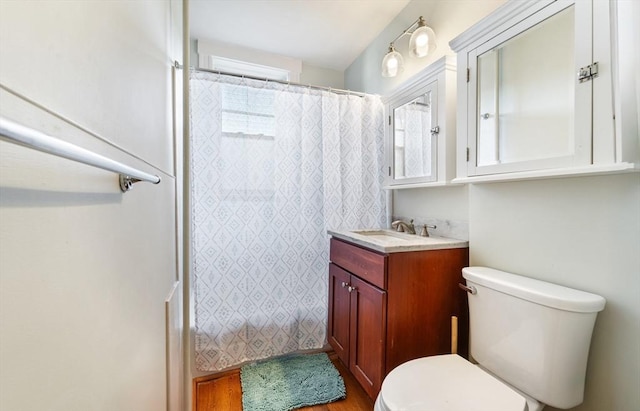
x=127 y=182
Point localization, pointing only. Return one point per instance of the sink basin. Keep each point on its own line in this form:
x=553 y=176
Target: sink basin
x=389 y=241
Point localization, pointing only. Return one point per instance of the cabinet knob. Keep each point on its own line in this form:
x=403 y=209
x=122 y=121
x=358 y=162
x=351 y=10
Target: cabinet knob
x=350 y=288
x=344 y=284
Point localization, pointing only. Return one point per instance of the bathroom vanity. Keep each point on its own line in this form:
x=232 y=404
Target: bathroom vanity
x=391 y=299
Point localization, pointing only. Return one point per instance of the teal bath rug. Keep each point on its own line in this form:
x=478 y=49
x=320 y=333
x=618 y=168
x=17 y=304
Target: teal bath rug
x=290 y=382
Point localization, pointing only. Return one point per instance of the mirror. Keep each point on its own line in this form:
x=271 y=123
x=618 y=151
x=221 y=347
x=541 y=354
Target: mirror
x=526 y=94
x=414 y=146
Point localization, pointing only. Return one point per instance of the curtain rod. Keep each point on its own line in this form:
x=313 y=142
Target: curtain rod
x=288 y=83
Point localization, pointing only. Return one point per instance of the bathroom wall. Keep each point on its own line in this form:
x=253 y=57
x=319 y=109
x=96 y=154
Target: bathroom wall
x=580 y=232
x=89 y=282
x=447 y=208
x=319 y=76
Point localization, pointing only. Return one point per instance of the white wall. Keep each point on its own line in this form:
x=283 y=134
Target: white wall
x=84 y=269
x=445 y=207
x=319 y=76
x=581 y=232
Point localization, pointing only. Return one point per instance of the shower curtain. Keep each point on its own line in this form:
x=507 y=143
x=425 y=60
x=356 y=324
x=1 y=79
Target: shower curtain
x=273 y=167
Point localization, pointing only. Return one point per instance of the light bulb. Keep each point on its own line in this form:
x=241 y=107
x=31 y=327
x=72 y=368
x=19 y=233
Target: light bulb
x=392 y=66
x=422 y=42
x=393 y=63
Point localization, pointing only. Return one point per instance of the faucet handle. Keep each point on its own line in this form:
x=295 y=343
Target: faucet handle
x=424 y=232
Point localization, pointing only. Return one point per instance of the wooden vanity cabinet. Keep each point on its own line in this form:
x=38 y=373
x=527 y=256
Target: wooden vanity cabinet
x=386 y=309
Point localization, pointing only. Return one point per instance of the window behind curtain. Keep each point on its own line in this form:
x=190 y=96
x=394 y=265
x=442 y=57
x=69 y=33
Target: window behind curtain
x=248 y=134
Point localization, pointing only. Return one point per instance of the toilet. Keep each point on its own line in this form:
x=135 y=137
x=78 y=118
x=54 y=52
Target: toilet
x=530 y=340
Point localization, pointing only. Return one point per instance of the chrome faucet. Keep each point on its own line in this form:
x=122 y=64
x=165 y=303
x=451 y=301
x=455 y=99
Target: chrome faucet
x=401 y=226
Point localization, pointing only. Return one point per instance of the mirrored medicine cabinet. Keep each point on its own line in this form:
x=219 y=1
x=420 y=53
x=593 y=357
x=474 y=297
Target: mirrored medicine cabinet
x=420 y=130
x=535 y=89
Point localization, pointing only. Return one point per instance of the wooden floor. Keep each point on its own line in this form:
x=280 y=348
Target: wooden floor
x=223 y=393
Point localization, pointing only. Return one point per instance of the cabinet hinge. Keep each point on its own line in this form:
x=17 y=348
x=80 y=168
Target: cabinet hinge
x=467 y=153
x=588 y=72
x=389 y=120
x=435 y=130
x=468 y=75
x=389 y=171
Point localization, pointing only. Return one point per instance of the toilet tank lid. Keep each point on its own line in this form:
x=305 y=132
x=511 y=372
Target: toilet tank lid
x=540 y=292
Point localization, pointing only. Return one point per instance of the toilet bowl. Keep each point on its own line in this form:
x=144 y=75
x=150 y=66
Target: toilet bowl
x=445 y=383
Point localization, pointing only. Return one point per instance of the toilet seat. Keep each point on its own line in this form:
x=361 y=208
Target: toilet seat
x=445 y=383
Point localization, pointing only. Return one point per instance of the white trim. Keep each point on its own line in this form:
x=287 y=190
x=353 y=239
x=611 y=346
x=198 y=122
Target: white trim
x=226 y=65
x=626 y=79
x=208 y=49
x=590 y=170
x=506 y=15
x=423 y=185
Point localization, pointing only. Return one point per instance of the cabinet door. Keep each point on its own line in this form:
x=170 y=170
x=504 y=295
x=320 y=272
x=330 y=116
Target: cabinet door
x=368 y=331
x=338 y=324
x=527 y=110
x=412 y=130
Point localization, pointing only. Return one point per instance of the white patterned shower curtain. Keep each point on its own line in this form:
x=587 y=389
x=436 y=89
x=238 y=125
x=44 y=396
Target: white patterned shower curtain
x=272 y=168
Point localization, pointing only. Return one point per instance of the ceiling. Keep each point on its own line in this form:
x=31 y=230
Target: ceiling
x=323 y=33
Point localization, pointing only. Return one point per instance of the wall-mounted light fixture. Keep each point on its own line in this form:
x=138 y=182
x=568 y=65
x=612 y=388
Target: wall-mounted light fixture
x=421 y=43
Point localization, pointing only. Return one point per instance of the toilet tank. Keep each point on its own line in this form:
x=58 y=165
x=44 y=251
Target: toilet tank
x=532 y=334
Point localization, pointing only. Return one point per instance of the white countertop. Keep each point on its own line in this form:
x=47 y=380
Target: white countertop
x=389 y=241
